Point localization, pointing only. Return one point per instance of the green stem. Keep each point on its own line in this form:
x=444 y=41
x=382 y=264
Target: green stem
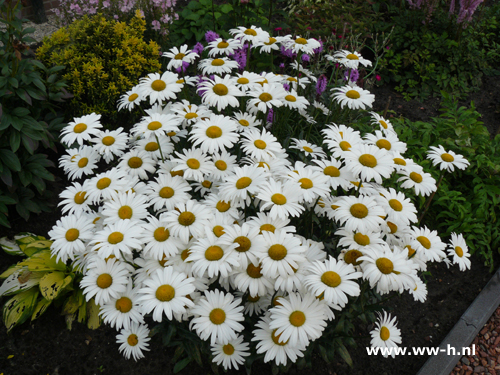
x=427 y=205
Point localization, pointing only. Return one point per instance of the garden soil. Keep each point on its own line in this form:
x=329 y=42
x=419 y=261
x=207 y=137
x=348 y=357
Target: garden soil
x=45 y=346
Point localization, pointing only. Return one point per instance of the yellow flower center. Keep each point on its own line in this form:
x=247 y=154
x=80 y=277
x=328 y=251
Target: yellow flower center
x=80 y=197
x=291 y=79
x=186 y=218
x=217 y=316
x=223 y=206
x=243 y=182
x=290 y=98
x=395 y=205
x=297 y=318
x=165 y=293
x=244 y=122
x=184 y=255
x=351 y=257
x=223 y=44
x=459 y=251
x=218 y=230
x=82 y=163
x=132 y=97
x=352 y=94
x=424 y=241
x=115 y=237
x=276 y=339
x=278 y=199
x=244 y=243
x=383 y=123
x=158 y=85
x=332 y=279
x=384 y=143
x=411 y=251
x=72 y=234
x=331 y=171
x=277 y=252
x=307 y=149
x=80 y=128
x=161 y=234
x=265 y=97
x=124 y=304
x=359 y=210
x=260 y=144
x=213 y=132
x=447 y=157
x=368 y=160
x=385 y=333
x=254 y=272
x=306 y=183
x=267 y=227
x=179 y=56
x=228 y=349
x=108 y=140
x=190 y=115
x=221 y=165
x=352 y=56
x=193 y=163
x=132 y=340
x=345 y=146
x=206 y=184
x=134 y=162
x=416 y=177
x=399 y=161
x=220 y=89
x=104 y=281
x=271 y=41
x=243 y=80
x=385 y=265
x=217 y=62
x=393 y=227
x=253 y=299
x=214 y=253
x=301 y=41
x=151 y=146
x=361 y=239
x=154 y=125
x=125 y=212
x=250 y=32
x=166 y=192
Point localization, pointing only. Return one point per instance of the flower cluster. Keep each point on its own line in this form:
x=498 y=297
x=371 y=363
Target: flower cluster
x=200 y=215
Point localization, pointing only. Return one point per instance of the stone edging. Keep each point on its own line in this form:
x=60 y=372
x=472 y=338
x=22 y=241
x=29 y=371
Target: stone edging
x=467 y=328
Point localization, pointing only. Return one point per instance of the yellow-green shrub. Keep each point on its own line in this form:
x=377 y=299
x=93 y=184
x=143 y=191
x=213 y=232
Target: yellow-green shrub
x=103 y=59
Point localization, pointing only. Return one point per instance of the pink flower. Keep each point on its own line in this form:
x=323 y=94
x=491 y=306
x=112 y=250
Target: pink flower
x=278 y=29
x=156 y=25
x=378 y=78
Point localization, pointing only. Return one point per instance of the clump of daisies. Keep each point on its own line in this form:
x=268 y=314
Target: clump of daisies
x=238 y=198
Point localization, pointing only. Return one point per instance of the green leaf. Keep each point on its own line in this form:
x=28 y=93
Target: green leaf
x=43 y=261
x=53 y=283
x=24 y=96
x=13 y=82
x=21 y=111
x=94 y=321
x=40 y=308
x=10 y=159
x=341 y=349
x=226 y=8
x=19 y=308
x=15 y=140
x=181 y=364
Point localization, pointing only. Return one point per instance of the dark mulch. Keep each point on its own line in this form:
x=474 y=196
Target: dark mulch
x=46 y=347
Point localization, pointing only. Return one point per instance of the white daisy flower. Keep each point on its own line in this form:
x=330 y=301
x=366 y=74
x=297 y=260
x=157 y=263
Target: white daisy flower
x=459 y=250
x=359 y=214
x=358 y=240
x=70 y=236
x=194 y=163
x=110 y=143
x=382 y=123
x=447 y=160
x=245 y=180
x=300 y=44
x=313 y=184
x=265 y=222
x=226 y=208
x=81 y=129
x=247 y=80
x=106 y=280
x=292 y=100
x=165 y=293
x=220 y=92
x=388 y=141
x=369 y=162
x=217 y=316
x=232 y=354
x=125 y=206
x=340 y=139
x=386 y=334
x=130 y=99
x=419 y=293
x=253 y=35
x=269 y=45
x=224 y=163
x=429 y=243
x=156 y=125
x=178 y=56
x=214 y=134
x=159 y=87
x=167 y=192
x=123 y=311
x=118 y=239
x=337 y=176
x=134 y=341
x=309 y=149
x=298 y=319
x=251 y=280
x=271 y=344
x=398 y=207
x=333 y=281
x=83 y=163
x=155 y=150
x=353 y=96
x=266 y=97
x=137 y=163
x=159 y=242
x=423 y=183
x=248 y=242
x=262 y=145
x=282 y=198
x=223 y=47
x=348 y=59
x=219 y=65
x=188 y=113
x=74 y=199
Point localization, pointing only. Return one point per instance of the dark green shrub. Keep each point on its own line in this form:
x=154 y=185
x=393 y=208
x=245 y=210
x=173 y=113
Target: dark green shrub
x=103 y=59
x=28 y=120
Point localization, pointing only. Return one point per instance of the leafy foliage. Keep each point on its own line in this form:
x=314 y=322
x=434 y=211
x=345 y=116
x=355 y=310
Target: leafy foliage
x=39 y=281
x=103 y=59
x=29 y=93
x=426 y=57
x=467 y=201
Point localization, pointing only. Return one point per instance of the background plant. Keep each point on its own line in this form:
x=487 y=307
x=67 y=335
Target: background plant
x=30 y=94
x=103 y=58
x=39 y=281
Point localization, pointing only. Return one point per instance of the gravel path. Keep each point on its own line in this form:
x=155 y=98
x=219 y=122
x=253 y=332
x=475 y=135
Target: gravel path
x=487 y=358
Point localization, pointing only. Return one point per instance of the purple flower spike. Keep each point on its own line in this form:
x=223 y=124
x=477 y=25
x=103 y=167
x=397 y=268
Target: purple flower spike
x=198 y=48
x=321 y=84
x=211 y=36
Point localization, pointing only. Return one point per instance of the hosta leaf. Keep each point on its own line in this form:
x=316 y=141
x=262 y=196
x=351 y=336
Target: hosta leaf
x=93 y=321
x=9 y=246
x=19 y=308
x=53 y=283
x=36 y=246
x=40 y=308
x=43 y=261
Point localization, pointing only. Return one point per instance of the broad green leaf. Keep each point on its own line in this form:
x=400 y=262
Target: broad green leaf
x=71 y=304
x=94 y=321
x=40 y=308
x=19 y=308
x=181 y=364
x=10 y=159
x=53 y=283
x=345 y=354
x=43 y=261
x=9 y=246
x=36 y=246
